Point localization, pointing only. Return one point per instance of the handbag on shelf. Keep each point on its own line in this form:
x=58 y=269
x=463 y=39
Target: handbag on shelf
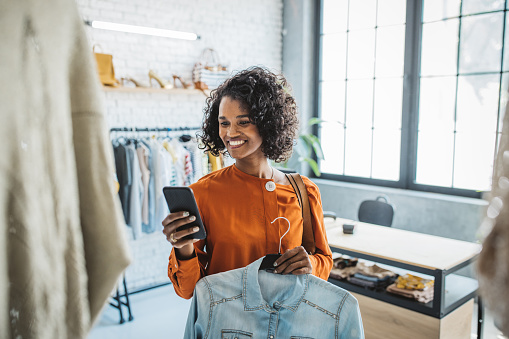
x=105 y=68
x=208 y=72
x=308 y=237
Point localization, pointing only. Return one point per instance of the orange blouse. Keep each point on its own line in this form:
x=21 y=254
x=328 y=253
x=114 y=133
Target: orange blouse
x=237 y=212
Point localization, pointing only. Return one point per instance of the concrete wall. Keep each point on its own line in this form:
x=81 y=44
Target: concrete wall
x=437 y=214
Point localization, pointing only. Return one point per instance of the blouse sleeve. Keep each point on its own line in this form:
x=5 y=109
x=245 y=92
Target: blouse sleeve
x=322 y=259
x=184 y=274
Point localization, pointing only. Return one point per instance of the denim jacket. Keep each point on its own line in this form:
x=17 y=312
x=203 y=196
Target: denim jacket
x=248 y=303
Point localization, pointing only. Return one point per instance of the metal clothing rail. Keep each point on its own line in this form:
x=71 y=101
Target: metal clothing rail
x=155 y=129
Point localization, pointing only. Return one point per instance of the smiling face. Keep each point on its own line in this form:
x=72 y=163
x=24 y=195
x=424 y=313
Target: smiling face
x=239 y=135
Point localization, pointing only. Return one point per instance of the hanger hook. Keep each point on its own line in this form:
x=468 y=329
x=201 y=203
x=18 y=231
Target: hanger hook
x=280 y=239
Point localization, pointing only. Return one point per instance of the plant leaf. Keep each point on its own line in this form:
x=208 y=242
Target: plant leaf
x=313 y=165
x=315 y=121
x=303 y=148
x=317 y=146
x=313 y=142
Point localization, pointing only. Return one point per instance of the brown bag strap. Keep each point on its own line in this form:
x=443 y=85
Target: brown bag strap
x=308 y=238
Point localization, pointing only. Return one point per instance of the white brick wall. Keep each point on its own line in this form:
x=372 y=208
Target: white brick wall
x=244 y=33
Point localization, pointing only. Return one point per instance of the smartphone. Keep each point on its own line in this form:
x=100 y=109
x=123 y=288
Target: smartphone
x=181 y=198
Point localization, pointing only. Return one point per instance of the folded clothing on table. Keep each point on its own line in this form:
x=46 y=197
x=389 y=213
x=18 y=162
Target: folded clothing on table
x=423 y=296
x=413 y=287
x=370 y=281
x=375 y=273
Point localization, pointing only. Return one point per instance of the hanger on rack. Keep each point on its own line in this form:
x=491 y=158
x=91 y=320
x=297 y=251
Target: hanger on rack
x=134 y=138
x=268 y=262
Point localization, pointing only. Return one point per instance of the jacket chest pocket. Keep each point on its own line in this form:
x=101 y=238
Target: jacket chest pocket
x=235 y=334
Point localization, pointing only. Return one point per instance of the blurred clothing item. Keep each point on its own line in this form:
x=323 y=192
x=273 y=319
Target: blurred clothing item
x=62 y=245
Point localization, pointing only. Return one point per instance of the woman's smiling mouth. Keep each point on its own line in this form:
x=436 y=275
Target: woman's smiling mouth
x=236 y=143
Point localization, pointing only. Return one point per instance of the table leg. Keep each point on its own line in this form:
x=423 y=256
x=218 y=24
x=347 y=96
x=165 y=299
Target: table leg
x=480 y=318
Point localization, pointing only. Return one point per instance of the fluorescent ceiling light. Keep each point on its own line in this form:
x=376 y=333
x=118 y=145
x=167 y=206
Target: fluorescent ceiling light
x=142 y=30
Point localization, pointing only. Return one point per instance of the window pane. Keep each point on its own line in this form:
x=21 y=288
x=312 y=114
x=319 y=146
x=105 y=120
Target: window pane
x=362 y=14
x=332 y=100
x=386 y=154
x=358 y=152
x=332 y=138
x=477 y=110
x=388 y=103
x=334 y=56
x=434 y=158
x=506 y=44
x=361 y=53
x=434 y=10
x=439 y=48
x=391 y=12
x=436 y=104
x=481 y=43
x=473 y=161
x=479 y=6
x=503 y=99
x=390 y=51
x=359 y=103
x=335 y=15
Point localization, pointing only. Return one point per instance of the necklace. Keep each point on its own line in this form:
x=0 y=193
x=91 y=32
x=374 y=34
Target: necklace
x=270 y=185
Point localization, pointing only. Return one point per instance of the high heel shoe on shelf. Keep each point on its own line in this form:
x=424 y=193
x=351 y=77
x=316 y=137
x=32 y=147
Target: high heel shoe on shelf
x=184 y=84
x=134 y=81
x=161 y=82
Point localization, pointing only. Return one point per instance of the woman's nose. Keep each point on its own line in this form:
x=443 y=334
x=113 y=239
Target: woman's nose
x=232 y=131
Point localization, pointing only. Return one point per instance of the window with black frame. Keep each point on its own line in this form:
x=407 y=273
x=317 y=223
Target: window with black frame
x=413 y=94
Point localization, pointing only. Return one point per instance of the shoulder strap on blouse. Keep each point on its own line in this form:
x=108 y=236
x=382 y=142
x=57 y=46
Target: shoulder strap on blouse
x=308 y=238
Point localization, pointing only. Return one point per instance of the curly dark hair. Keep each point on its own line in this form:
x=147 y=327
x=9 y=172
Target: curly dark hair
x=267 y=99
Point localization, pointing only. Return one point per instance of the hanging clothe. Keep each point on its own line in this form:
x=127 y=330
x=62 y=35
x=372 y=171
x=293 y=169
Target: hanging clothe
x=136 y=192
x=144 y=167
x=249 y=303
x=142 y=153
x=124 y=176
x=62 y=245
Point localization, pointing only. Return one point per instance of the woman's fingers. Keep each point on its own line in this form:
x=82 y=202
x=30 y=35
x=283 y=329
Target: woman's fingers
x=172 y=217
x=296 y=267
x=178 y=235
x=294 y=261
x=174 y=221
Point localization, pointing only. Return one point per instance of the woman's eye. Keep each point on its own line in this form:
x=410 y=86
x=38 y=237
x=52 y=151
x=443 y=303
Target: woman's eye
x=224 y=124
x=245 y=122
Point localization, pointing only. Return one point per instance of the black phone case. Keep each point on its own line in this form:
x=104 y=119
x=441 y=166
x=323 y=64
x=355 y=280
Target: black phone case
x=182 y=199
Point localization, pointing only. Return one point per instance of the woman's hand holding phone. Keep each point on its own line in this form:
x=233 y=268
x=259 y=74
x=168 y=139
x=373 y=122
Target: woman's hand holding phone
x=184 y=247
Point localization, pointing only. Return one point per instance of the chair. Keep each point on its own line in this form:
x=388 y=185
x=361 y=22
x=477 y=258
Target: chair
x=377 y=211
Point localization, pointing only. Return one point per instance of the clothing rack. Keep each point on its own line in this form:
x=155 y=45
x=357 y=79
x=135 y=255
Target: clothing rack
x=154 y=129
x=117 y=301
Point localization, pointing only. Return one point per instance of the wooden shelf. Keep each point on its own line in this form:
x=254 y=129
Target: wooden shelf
x=123 y=89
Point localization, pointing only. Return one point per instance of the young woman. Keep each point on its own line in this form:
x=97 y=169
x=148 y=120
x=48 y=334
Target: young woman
x=253 y=117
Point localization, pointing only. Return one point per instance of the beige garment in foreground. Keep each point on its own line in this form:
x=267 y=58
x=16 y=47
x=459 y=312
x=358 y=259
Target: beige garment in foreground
x=493 y=263
x=62 y=243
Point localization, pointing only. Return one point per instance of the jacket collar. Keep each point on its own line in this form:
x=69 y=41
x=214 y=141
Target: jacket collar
x=296 y=286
